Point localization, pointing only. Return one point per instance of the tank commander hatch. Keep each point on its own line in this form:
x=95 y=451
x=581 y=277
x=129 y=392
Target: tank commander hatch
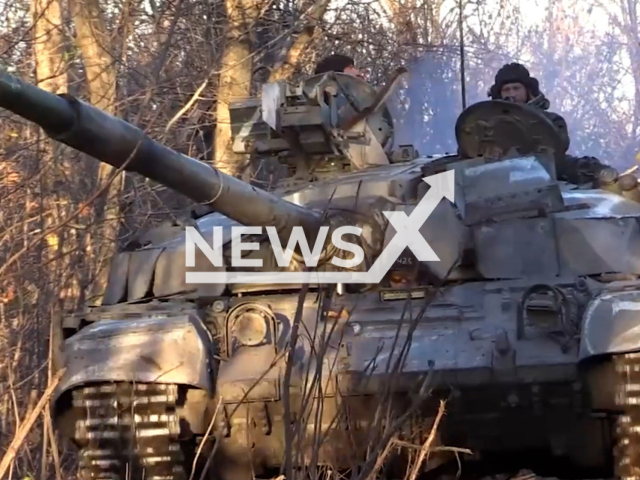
x=513 y=82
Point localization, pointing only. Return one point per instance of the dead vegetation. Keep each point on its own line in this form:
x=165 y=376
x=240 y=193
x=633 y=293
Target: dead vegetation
x=389 y=430
x=169 y=67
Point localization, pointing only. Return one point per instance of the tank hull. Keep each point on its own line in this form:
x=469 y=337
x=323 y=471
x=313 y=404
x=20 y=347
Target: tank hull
x=500 y=375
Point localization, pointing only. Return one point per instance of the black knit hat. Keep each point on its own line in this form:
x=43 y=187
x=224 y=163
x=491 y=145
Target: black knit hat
x=334 y=63
x=514 y=73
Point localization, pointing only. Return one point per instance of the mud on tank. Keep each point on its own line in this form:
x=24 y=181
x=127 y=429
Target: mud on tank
x=527 y=323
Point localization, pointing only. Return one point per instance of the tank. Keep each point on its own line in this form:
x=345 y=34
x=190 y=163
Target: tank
x=522 y=311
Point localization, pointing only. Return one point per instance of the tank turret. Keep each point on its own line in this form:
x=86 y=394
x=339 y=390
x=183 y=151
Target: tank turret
x=326 y=125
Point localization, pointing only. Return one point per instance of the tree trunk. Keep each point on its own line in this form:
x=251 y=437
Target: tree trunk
x=401 y=15
x=293 y=55
x=234 y=79
x=51 y=75
x=48 y=46
x=94 y=43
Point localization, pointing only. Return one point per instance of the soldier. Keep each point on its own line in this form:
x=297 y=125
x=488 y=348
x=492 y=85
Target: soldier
x=513 y=82
x=338 y=63
x=345 y=64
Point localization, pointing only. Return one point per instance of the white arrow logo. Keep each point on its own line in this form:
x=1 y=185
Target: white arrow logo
x=407 y=236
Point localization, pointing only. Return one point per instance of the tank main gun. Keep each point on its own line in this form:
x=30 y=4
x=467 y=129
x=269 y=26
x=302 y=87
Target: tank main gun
x=111 y=140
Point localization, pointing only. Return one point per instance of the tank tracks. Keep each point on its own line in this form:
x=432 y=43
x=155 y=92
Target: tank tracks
x=131 y=431
x=627 y=429
x=128 y=431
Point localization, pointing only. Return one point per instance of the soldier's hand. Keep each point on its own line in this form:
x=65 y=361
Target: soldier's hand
x=628 y=182
x=607 y=175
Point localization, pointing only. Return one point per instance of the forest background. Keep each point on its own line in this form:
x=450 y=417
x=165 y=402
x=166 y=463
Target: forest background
x=171 y=67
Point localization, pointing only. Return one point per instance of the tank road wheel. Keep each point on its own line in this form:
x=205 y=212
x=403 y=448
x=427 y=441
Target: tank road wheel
x=627 y=428
x=128 y=431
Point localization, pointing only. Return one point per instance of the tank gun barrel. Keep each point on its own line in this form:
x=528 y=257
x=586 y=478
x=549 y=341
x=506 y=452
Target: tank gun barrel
x=114 y=141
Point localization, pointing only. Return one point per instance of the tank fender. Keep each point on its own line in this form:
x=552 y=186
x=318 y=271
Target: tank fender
x=173 y=349
x=611 y=324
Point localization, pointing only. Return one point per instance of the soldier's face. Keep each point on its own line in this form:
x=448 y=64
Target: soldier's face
x=351 y=70
x=516 y=91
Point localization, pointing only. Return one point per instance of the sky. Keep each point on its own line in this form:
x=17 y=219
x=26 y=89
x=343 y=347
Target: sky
x=594 y=15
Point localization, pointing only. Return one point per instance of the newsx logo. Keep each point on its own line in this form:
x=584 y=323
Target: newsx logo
x=407 y=236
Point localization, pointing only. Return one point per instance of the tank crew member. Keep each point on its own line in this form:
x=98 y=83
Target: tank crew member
x=338 y=63
x=514 y=82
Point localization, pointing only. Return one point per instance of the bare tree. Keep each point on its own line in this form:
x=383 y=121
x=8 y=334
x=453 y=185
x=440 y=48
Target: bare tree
x=236 y=69
x=94 y=43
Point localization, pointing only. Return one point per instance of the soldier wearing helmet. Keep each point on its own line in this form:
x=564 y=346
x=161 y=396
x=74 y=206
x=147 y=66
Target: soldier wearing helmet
x=338 y=62
x=513 y=82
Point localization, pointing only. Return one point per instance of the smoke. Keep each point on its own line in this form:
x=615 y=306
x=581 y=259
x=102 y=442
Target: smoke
x=426 y=107
x=579 y=86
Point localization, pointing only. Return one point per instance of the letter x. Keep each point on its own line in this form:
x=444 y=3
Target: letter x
x=407 y=228
x=408 y=234
x=408 y=231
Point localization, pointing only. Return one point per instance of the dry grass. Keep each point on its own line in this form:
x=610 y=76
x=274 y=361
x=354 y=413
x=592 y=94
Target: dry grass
x=27 y=425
